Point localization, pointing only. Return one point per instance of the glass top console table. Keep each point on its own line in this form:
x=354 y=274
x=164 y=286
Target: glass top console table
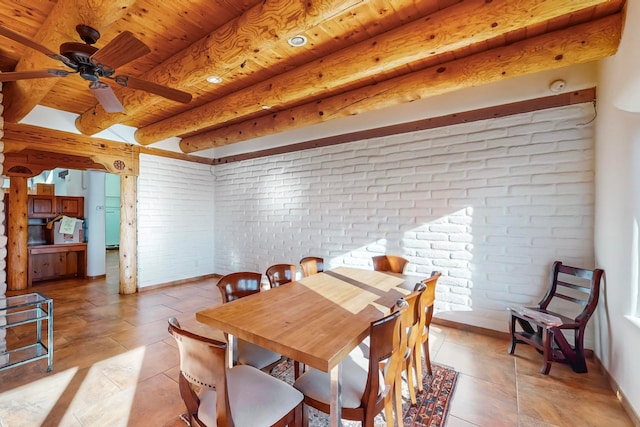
x=21 y=310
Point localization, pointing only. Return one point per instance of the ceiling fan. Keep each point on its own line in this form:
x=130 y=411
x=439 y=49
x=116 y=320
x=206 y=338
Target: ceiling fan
x=93 y=64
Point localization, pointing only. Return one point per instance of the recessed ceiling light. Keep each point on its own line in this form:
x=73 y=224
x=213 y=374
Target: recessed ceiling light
x=297 y=41
x=214 y=79
x=266 y=107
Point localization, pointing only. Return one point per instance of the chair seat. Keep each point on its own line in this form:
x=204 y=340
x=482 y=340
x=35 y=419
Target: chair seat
x=256 y=356
x=250 y=405
x=567 y=322
x=316 y=384
x=355 y=369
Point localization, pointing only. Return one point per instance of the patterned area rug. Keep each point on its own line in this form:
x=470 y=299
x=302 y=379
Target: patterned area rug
x=431 y=410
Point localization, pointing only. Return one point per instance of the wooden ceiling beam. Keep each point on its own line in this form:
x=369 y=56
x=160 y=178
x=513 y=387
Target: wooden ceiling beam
x=21 y=96
x=579 y=44
x=461 y=25
x=115 y=157
x=62 y=148
x=30 y=163
x=223 y=50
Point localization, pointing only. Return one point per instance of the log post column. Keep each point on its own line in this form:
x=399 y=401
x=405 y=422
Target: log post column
x=17 y=233
x=128 y=234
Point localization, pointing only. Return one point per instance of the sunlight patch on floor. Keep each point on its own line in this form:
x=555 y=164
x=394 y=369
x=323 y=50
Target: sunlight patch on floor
x=110 y=383
x=32 y=403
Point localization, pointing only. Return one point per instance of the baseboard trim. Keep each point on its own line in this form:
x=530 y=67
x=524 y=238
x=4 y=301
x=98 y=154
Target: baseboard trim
x=471 y=328
x=635 y=418
x=588 y=353
x=178 y=282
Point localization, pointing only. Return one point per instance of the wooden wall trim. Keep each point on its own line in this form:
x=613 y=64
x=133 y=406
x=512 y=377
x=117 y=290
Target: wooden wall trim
x=212 y=276
x=569 y=98
x=173 y=155
x=22 y=136
x=622 y=398
x=474 y=329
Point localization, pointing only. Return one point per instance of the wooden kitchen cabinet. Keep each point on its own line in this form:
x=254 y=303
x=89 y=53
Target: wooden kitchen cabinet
x=70 y=206
x=45 y=206
x=41 y=206
x=48 y=262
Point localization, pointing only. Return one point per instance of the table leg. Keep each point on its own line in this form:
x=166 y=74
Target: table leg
x=335 y=414
x=50 y=335
x=232 y=350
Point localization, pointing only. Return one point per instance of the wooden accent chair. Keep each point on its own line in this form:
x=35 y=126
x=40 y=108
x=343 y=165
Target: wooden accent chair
x=427 y=301
x=240 y=396
x=239 y=285
x=544 y=329
x=311 y=265
x=366 y=389
x=279 y=274
x=391 y=263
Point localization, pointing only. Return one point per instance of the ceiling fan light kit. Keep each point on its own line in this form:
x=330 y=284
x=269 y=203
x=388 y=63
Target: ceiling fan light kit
x=93 y=64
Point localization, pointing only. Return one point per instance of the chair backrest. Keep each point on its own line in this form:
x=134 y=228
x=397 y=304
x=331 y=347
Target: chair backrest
x=391 y=263
x=311 y=265
x=238 y=285
x=576 y=285
x=411 y=318
x=384 y=346
x=202 y=365
x=279 y=274
x=428 y=298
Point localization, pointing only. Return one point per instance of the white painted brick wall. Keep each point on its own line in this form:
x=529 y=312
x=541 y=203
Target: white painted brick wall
x=175 y=220
x=490 y=204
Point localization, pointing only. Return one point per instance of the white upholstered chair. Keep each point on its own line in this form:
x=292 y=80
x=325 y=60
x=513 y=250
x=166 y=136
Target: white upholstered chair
x=242 y=396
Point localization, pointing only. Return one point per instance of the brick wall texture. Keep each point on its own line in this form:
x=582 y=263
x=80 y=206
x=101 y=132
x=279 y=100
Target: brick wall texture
x=175 y=220
x=490 y=204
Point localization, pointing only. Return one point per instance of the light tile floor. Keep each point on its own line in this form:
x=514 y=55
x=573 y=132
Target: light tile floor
x=115 y=365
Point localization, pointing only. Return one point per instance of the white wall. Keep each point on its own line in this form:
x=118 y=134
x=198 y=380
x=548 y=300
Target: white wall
x=94 y=214
x=490 y=204
x=618 y=211
x=175 y=220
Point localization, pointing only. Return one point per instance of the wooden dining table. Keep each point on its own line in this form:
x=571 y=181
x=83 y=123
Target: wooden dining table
x=317 y=320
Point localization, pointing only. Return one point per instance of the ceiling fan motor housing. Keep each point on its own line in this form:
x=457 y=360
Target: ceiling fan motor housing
x=93 y=64
x=79 y=55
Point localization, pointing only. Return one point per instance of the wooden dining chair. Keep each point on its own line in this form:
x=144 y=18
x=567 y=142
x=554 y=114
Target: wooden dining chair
x=544 y=329
x=411 y=325
x=239 y=285
x=240 y=396
x=390 y=263
x=279 y=274
x=365 y=389
x=427 y=301
x=311 y=265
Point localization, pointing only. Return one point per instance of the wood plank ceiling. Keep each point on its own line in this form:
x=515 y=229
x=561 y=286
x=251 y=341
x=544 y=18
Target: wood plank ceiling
x=361 y=55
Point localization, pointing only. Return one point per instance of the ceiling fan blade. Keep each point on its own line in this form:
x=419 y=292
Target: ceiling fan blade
x=35 y=74
x=164 y=91
x=106 y=97
x=123 y=49
x=27 y=42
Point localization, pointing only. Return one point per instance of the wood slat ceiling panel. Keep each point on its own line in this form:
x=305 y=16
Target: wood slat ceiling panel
x=24 y=18
x=268 y=72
